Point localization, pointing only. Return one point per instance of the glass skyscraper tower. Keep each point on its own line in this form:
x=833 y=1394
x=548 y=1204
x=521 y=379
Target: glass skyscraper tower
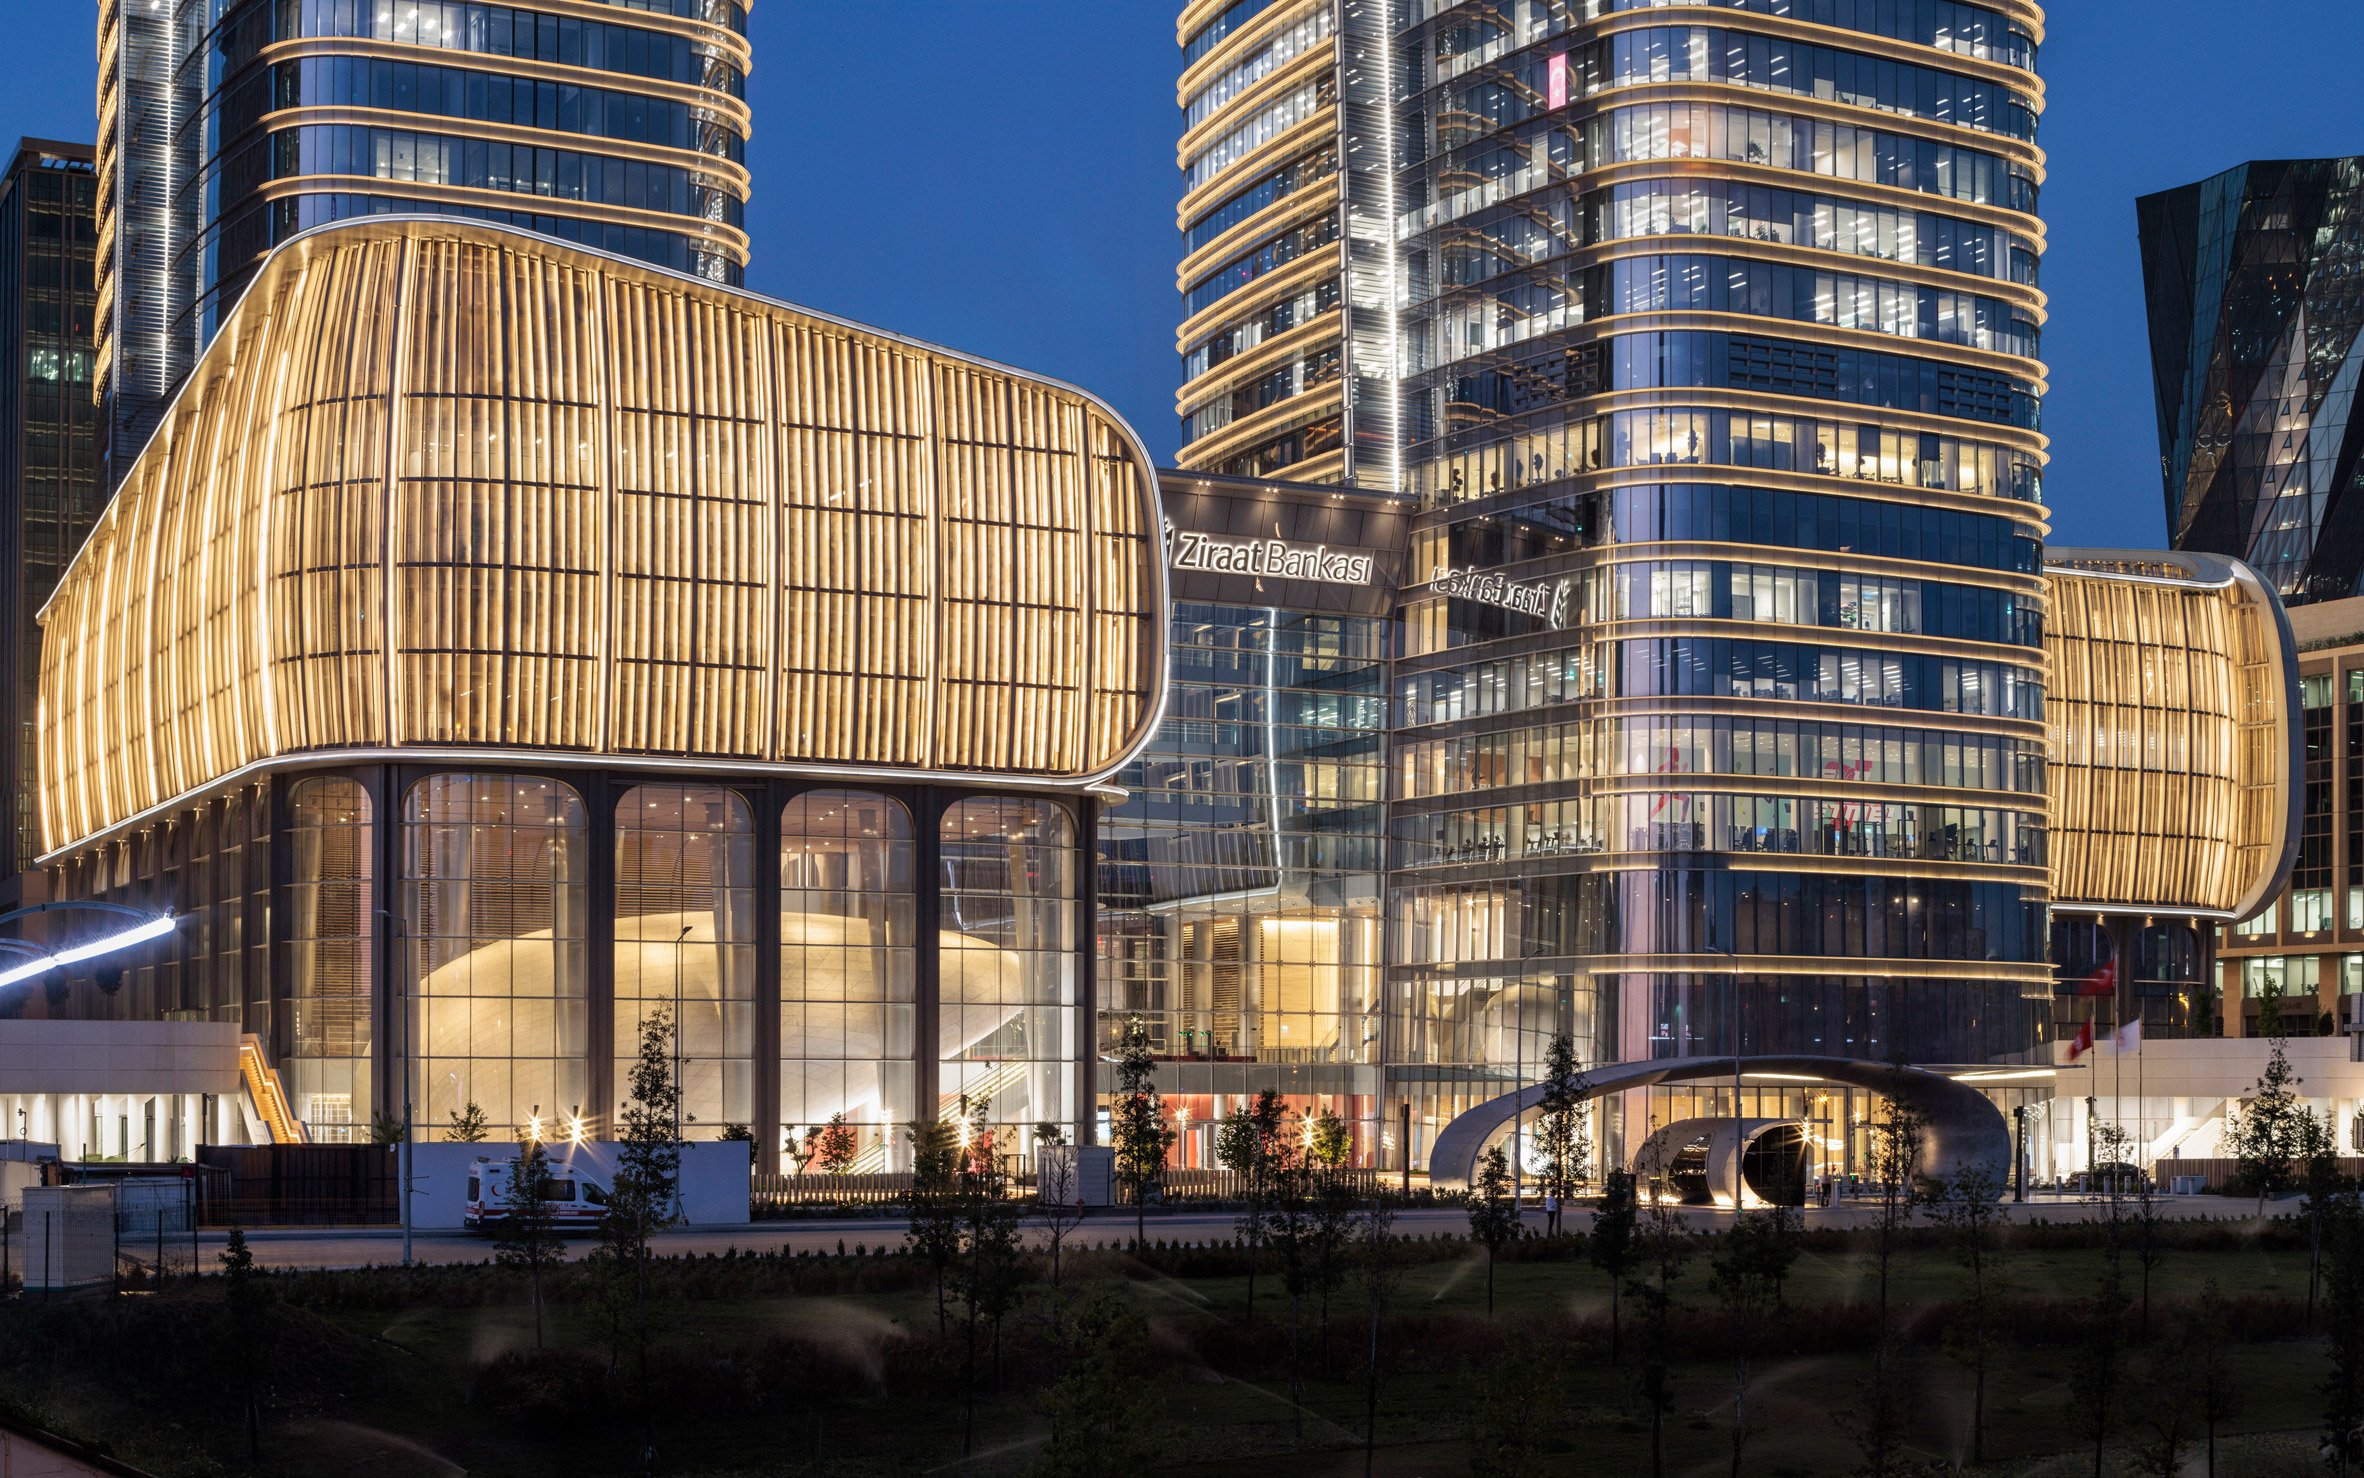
x=226 y=126
x=1719 y=711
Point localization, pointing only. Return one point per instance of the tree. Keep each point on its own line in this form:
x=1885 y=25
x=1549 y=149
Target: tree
x=2266 y=1135
x=2097 y=1379
x=2325 y=1189
x=1058 y=1189
x=385 y=1131
x=2343 y=1389
x=1563 y=1136
x=1898 y=1135
x=1375 y=1247
x=803 y=1148
x=646 y=1196
x=1615 y=1245
x=839 y=1146
x=992 y=1267
x=1137 y=1127
x=1665 y=1249
x=527 y=1238
x=934 y=1231
x=2167 y=1384
x=248 y=1298
x=1332 y=1211
x=1102 y=1408
x=1330 y=1142
x=2213 y=1372
x=1746 y=1276
x=1969 y=1209
x=1289 y=1229
x=1493 y=1216
x=1244 y=1146
x=1522 y=1393
x=468 y=1125
x=737 y=1134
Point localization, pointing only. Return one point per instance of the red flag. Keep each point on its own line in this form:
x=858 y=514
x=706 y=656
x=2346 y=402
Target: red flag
x=2102 y=982
x=2084 y=1042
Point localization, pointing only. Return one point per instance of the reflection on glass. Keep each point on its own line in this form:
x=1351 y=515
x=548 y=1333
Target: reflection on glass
x=848 y=936
x=495 y=931
x=330 y=895
x=685 y=941
x=1008 y=1026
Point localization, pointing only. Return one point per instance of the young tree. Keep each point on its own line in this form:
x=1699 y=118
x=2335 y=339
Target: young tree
x=1330 y=1142
x=2168 y=1407
x=737 y=1134
x=1289 y=1231
x=1665 y=1249
x=2325 y=1189
x=1969 y=1209
x=1058 y=1189
x=2214 y=1375
x=1374 y=1238
x=2343 y=1389
x=248 y=1298
x=839 y=1146
x=1137 y=1127
x=992 y=1266
x=1745 y=1276
x=646 y=1196
x=385 y=1131
x=1102 y=1408
x=803 y=1149
x=1244 y=1146
x=2267 y=1134
x=1493 y=1218
x=1615 y=1245
x=1522 y=1394
x=527 y=1238
x=1898 y=1135
x=1332 y=1212
x=468 y=1125
x=1563 y=1136
x=2097 y=1379
x=933 y=1234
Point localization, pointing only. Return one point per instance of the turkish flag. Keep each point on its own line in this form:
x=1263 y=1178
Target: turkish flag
x=2102 y=982
x=2084 y=1042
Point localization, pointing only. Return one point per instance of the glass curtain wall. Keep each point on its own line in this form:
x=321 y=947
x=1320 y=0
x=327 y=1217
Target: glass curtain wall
x=1834 y=396
x=496 y=948
x=685 y=942
x=1007 y=1029
x=331 y=902
x=849 y=934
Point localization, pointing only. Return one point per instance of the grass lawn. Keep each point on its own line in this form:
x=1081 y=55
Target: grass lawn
x=824 y=1365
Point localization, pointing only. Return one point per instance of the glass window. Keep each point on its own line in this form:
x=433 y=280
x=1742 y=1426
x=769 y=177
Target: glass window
x=685 y=942
x=495 y=939
x=330 y=901
x=848 y=937
x=1009 y=967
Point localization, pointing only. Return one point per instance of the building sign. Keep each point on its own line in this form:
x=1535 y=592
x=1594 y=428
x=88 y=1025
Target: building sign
x=1545 y=600
x=1275 y=559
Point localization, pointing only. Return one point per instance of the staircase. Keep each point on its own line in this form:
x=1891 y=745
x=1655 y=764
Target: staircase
x=267 y=1093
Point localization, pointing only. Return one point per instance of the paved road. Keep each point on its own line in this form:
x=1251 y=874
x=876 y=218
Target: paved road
x=362 y=1247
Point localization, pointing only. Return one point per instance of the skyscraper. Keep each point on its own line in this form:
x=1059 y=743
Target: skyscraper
x=226 y=126
x=1716 y=379
x=49 y=493
x=2256 y=314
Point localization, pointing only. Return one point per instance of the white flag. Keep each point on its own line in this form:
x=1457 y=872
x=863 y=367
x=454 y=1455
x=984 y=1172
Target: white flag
x=2128 y=1038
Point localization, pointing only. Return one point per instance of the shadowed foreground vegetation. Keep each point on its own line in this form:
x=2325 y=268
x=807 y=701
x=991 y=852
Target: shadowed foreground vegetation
x=824 y=1364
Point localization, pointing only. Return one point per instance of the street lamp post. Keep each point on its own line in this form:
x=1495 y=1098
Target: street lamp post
x=680 y=1088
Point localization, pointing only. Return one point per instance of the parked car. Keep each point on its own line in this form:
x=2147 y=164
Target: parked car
x=577 y=1199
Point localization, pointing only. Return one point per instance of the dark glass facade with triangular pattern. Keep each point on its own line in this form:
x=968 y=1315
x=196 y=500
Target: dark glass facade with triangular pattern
x=2255 y=287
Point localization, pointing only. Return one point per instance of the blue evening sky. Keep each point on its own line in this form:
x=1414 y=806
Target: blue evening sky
x=1000 y=178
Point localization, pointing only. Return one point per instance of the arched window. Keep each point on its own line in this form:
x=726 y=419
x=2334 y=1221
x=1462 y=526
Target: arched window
x=331 y=897
x=685 y=941
x=848 y=942
x=1009 y=965
x=495 y=926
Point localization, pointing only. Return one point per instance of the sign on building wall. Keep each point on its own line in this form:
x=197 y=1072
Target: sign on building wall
x=1545 y=600
x=1275 y=559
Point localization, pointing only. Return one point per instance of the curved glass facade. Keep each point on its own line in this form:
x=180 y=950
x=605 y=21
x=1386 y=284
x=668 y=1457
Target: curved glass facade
x=1758 y=507
x=685 y=941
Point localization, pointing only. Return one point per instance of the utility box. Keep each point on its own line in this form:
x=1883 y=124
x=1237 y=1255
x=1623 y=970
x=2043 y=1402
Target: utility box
x=69 y=1240
x=1095 y=1175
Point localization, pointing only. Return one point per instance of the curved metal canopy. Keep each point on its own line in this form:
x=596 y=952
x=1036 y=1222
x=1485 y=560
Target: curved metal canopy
x=1965 y=1130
